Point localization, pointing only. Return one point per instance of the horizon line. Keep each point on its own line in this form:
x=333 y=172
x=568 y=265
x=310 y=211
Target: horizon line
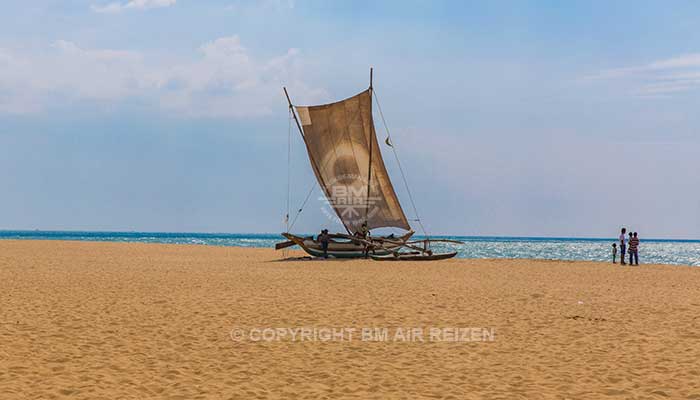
x=4 y=231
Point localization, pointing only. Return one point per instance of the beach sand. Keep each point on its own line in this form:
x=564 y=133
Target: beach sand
x=85 y=320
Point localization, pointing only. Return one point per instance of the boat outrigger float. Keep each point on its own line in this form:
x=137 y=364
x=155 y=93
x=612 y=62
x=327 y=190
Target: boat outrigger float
x=342 y=146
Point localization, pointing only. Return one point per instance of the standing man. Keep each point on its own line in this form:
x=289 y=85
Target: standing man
x=623 y=245
x=634 y=244
x=324 y=238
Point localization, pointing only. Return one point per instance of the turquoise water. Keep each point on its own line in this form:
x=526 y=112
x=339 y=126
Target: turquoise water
x=680 y=252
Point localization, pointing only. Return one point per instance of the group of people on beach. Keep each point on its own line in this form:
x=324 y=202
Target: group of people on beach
x=627 y=245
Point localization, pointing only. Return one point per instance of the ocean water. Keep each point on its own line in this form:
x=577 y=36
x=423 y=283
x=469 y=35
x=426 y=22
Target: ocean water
x=679 y=252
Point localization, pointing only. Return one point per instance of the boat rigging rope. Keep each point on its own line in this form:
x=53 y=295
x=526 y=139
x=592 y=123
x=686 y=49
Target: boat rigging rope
x=313 y=187
x=396 y=156
x=289 y=179
x=289 y=168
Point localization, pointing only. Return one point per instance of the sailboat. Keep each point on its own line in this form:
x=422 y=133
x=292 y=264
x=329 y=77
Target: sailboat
x=345 y=156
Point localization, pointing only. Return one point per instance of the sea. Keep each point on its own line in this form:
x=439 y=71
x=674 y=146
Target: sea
x=656 y=251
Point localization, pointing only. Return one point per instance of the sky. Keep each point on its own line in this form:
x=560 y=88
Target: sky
x=510 y=118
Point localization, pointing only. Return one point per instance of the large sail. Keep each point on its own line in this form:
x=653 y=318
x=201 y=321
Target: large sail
x=341 y=141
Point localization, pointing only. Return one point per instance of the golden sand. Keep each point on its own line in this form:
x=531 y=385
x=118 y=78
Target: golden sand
x=108 y=320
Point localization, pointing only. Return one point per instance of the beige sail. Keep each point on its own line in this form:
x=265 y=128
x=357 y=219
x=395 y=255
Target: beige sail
x=341 y=140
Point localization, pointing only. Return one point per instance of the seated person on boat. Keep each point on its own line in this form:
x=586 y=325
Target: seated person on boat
x=363 y=232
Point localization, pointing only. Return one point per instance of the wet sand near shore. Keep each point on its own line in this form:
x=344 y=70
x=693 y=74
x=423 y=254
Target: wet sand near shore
x=85 y=320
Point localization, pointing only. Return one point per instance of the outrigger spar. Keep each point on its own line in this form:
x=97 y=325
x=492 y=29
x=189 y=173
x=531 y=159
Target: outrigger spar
x=342 y=146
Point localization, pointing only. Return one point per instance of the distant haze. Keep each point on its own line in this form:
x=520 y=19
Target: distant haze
x=519 y=118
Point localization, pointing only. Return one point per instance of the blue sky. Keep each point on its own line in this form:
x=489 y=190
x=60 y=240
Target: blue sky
x=541 y=118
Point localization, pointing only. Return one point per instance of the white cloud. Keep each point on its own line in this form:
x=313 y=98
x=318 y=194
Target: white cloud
x=227 y=81
x=242 y=6
x=685 y=61
x=661 y=78
x=111 y=8
x=116 y=7
x=224 y=80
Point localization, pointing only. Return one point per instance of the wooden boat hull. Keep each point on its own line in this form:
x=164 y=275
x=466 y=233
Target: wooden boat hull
x=346 y=249
x=414 y=257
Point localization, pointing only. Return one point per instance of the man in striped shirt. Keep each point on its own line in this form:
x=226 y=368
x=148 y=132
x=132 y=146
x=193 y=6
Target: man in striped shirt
x=633 y=245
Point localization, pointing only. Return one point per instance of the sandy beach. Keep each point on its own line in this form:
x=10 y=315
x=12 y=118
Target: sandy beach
x=83 y=320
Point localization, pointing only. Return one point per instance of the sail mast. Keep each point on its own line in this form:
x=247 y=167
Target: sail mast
x=291 y=107
x=369 y=167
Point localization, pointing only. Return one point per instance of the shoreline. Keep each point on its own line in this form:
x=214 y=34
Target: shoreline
x=301 y=253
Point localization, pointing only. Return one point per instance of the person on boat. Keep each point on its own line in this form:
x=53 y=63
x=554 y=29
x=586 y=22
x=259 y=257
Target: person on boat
x=324 y=238
x=363 y=232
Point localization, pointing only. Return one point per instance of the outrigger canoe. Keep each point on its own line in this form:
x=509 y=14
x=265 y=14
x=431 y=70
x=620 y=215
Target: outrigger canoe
x=344 y=246
x=413 y=256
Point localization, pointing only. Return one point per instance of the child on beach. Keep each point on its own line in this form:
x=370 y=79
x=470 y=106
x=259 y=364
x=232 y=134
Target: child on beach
x=614 y=253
